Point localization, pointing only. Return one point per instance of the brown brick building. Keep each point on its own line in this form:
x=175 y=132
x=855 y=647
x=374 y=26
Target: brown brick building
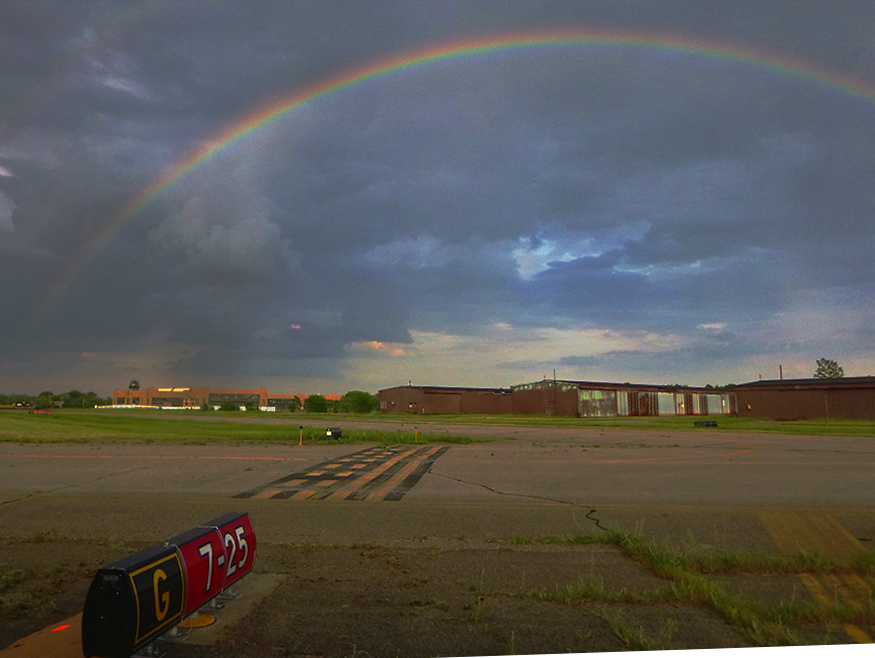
x=195 y=396
x=561 y=398
x=803 y=399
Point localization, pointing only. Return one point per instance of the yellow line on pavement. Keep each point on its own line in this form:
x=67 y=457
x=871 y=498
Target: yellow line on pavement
x=352 y=485
x=794 y=531
x=401 y=475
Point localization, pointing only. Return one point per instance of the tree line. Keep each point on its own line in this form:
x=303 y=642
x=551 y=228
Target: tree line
x=357 y=402
x=46 y=400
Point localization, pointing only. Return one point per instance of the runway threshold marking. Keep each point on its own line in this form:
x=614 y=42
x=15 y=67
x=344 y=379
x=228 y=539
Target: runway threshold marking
x=794 y=531
x=372 y=474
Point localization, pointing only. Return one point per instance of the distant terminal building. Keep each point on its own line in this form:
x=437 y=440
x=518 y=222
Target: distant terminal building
x=560 y=398
x=194 y=397
x=803 y=399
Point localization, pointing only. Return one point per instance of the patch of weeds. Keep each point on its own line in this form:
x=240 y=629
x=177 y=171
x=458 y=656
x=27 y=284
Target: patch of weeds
x=636 y=640
x=584 y=589
x=864 y=561
x=16 y=604
x=42 y=536
x=521 y=540
x=478 y=610
x=813 y=559
x=588 y=538
x=112 y=544
x=479 y=586
x=358 y=653
x=9 y=578
x=308 y=548
x=551 y=539
x=772 y=635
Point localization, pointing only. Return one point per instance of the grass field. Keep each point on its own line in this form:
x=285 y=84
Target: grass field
x=818 y=426
x=196 y=427
x=77 y=426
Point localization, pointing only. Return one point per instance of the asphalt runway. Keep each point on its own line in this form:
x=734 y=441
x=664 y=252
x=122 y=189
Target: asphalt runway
x=700 y=489
x=705 y=482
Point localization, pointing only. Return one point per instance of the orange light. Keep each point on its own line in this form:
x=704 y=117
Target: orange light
x=60 y=628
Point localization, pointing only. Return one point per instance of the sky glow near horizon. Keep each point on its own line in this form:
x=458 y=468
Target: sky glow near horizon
x=611 y=211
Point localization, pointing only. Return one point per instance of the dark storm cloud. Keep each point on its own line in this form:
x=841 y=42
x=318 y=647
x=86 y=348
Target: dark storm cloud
x=716 y=204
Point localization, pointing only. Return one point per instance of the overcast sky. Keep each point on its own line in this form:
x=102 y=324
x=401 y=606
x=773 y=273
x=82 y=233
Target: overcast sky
x=616 y=210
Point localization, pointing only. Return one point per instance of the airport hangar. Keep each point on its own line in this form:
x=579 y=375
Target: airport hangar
x=560 y=398
x=852 y=398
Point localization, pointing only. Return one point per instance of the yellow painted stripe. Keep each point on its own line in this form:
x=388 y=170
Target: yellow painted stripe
x=306 y=493
x=858 y=634
x=817 y=590
x=843 y=591
x=352 y=485
x=267 y=493
x=401 y=475
x=860 y=585
x=794 y=530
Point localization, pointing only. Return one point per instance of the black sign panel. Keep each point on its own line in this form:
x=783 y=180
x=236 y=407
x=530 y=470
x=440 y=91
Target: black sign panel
x=132 y=601
x=160 y=592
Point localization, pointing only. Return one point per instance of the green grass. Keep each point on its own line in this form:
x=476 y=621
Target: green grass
x=686 y=581
x=82 y=426
x=818 y=426
x=636 y=639
x=196 y=427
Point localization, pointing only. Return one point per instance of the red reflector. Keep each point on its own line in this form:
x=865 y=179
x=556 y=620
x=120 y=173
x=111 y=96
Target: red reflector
x=60 y=628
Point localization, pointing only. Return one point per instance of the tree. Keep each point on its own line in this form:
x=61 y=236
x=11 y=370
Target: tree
x=359 y=402
x=316 y=403
x=828 y=369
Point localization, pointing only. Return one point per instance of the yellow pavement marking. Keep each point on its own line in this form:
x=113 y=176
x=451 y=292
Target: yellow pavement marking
x=400 y=476
x=352 y=485
x=306 y=493
x=794 y=531
x=857 y=633
x=267 y=493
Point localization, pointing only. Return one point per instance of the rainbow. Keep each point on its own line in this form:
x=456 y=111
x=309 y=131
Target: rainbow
x=240 y=130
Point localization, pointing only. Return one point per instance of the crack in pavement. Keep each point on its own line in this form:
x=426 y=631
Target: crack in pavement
x=71 y=486
x=520 y=495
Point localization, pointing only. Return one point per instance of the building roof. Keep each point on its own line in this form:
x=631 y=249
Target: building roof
x=450 y=389
x=625 y=385
x=810 y=383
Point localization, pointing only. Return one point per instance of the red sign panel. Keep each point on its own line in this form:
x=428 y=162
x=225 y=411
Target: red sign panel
x=239 y=540
x=204 y=558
